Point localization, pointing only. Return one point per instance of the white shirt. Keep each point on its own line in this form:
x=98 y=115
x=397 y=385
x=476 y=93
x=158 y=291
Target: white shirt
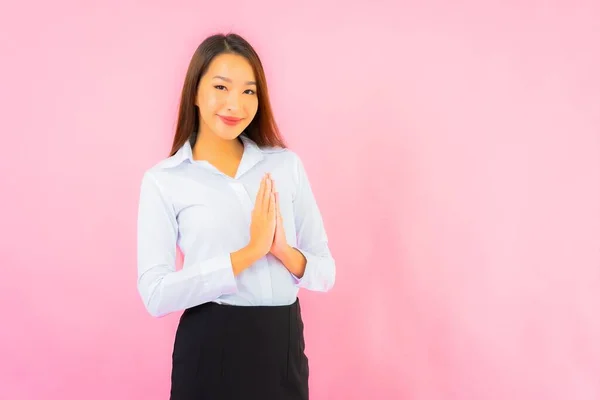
x=206 y=213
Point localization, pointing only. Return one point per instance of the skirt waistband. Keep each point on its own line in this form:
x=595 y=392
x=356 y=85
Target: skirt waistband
x=235 y=309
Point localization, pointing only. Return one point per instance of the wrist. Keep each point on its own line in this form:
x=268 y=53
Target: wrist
x=292 y=259
x=254 y=252
x=244 y=258
x=283 y=253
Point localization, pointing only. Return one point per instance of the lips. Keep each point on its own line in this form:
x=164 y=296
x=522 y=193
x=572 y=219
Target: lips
x=230 y=120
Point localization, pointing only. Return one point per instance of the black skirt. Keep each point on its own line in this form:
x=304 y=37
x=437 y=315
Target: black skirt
x=240 y=352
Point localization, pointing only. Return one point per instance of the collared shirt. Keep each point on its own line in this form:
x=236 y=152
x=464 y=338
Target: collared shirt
x=191 y=204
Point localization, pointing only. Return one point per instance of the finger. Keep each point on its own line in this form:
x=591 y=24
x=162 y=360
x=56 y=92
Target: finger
x=267 y=194
x=273 y=188
x=262 y=203
x=277 y=205
x=259 y=197
x=275 y=196
x=261 y=190
x=271 y=214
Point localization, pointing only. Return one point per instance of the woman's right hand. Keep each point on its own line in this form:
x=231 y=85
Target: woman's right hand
x=262 y=227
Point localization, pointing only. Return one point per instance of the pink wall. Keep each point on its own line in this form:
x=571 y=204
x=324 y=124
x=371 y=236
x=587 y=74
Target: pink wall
x=454 y=150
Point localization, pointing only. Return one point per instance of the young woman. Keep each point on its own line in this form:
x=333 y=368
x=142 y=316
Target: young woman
x=239 y=205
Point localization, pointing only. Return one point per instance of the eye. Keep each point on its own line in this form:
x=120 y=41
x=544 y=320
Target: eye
x=220 y=87
x=251 y=91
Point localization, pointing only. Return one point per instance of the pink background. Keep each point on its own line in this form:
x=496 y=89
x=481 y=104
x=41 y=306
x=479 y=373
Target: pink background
x=454 y=151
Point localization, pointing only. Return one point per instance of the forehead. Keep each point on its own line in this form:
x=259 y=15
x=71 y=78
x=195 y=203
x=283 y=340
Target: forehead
x=232 y=66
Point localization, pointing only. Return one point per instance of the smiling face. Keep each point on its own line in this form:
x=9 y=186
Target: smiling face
x=227 y=97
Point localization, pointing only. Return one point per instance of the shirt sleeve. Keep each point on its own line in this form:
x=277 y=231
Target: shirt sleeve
x=312 y=241
x=163 y=289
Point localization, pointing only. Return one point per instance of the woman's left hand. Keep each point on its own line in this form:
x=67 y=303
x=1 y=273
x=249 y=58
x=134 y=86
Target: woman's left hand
x=291 y=258
x=280 y=244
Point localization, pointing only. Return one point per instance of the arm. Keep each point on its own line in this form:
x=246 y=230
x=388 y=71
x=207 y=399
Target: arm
x=163 y=289
x=294 y=260
x=310 y=263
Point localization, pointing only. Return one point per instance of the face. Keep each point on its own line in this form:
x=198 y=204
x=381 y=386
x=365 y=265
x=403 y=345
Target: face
x=227 y=97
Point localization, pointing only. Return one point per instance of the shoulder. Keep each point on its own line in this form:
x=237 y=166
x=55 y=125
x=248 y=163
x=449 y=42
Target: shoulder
x=289 y=162
x=166 y=164
x=274 y=150
x=161 y=171
x=284 y=153
x=284 y=157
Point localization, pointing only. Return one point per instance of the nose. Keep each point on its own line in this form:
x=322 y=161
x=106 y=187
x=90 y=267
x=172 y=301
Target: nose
x=233 y=101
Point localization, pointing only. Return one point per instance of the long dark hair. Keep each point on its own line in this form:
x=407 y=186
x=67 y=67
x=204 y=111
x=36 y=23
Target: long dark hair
x=263 y=130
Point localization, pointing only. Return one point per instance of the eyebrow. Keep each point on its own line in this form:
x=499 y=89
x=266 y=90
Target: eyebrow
x=229 y=80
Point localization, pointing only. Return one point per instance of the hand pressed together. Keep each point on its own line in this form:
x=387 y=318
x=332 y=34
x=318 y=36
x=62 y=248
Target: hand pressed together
x=267 y=233
x=264 y=218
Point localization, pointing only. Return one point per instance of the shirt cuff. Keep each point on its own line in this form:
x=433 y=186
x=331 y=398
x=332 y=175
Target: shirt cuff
x=301 y=282
x=217 y=270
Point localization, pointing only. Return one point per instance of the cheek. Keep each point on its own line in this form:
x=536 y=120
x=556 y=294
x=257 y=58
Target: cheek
x=251 y=107
x=210 y=104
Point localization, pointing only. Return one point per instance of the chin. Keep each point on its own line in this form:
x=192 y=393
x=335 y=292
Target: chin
x=229 y=134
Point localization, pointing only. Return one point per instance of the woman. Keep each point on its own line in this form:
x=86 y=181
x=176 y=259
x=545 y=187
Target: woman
x=239 y=205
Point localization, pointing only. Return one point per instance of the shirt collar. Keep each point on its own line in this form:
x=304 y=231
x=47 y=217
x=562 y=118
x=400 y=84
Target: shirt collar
x=252 y=155
x=183 y=154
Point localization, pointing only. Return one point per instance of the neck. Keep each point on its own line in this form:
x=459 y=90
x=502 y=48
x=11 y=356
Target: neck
x=209 y=146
